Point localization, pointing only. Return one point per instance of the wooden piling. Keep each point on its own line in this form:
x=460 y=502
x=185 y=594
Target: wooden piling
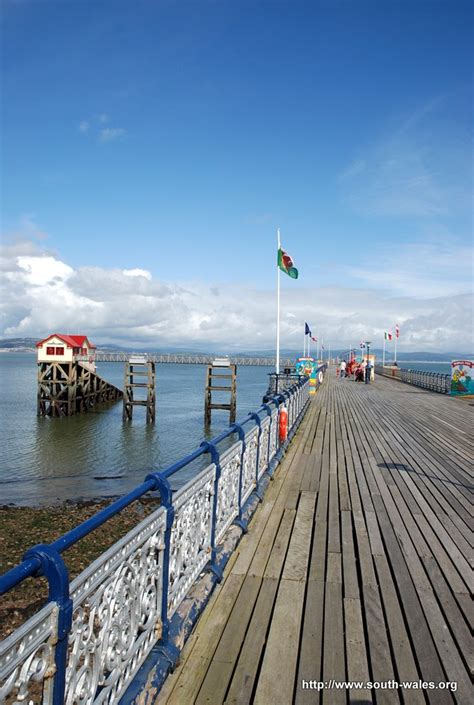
x=220 y=369
x=68 y=388
x=139 y=366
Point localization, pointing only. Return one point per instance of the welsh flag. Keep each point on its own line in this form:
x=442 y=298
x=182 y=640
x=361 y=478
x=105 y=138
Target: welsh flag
x=286 y=264
x=397 y=330
x=387 y=335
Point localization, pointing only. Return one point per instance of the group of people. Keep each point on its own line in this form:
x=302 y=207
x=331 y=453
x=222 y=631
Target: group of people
x=358 y=369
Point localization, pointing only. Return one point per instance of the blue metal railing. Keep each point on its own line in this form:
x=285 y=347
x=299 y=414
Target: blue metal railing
x=93 y=634
x=434 y=381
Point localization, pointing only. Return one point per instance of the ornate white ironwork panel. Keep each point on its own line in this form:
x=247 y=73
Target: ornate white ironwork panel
x=228 y=493
x=273 y=434
x=249 y=475
x=27 y=659
x=117 y=614
x=263 y=454
x=190 y=534
x=290 y=412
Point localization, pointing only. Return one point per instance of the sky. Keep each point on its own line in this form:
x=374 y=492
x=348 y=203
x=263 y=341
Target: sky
x=150 y=151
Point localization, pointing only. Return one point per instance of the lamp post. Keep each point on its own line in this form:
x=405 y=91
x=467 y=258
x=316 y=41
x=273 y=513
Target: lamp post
x=367 y=367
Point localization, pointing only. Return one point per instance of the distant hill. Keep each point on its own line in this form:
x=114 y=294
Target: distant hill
x=28 y=344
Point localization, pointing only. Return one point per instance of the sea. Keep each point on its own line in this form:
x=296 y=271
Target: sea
x=97 y=455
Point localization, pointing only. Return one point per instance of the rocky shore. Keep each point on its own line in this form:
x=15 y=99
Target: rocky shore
x=24 y=527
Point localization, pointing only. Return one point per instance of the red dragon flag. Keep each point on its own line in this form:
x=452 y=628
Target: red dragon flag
x=286 y=264
x=397 y=330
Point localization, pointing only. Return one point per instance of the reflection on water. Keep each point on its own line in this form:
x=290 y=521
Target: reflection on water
x=97 y=454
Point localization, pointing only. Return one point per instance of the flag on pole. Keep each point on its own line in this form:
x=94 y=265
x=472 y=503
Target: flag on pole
x=397 y=330
x=362 y=345
x=387 y=335
x=314 y=339
x=306 y=326
x=286 y=264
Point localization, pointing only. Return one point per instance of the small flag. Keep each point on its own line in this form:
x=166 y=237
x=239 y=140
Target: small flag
x=306 y=328
x=397 y=330
x=314 y=339
x=387 y=335
x=285 y=263
x=362 y=345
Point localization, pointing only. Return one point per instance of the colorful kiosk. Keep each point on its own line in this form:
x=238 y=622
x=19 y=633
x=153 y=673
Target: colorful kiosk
x=309 y=366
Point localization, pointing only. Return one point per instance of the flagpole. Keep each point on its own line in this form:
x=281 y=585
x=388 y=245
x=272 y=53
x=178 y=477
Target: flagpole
x=309 y=343
x=304 y=343
x=278 y=313
x=396 y=341
x=383 y=360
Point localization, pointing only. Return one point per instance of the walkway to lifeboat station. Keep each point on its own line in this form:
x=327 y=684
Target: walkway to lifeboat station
x=355 y=566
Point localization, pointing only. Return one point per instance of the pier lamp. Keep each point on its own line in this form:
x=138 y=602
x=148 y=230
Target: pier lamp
x=367 y=367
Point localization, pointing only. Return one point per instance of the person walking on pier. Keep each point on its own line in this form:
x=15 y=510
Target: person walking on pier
x=343 y=369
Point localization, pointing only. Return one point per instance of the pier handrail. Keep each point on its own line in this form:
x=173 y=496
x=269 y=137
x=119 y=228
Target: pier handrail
x=434 y=381
x=95 y=632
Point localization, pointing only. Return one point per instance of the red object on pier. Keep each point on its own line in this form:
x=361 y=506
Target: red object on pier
x=283 y=425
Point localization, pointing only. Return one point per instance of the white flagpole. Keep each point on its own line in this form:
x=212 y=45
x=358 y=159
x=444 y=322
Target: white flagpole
x=396 y=341
x=309 y=343
x=278 y=311
x=383 y=361
x=329 y=356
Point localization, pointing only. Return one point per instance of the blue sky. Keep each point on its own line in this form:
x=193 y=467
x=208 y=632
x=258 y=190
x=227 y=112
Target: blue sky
x=171 y=139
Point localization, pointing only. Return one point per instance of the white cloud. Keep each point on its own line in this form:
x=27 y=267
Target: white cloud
x=109 y=134
x=138 y=273
x=84 y=126
x=41 y=293
x=103 y=118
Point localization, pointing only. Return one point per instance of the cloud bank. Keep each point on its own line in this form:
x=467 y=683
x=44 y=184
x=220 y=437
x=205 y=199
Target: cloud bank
x=40 y=294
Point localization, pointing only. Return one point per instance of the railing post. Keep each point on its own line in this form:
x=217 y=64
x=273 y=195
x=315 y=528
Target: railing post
x=54 y=569
x=210 y=448
x=170 y=651
x=253 y=415
x=239 y=521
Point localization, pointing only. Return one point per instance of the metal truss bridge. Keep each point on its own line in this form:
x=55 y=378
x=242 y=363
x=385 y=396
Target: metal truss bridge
x=180 y=359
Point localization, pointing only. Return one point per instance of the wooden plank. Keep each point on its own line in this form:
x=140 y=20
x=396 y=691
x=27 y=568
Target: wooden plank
x=296 y=564
x=356 y=650
x=333 y=648
x=216 y=681
x=276 y=681
x=243 y=680
x=311 y=653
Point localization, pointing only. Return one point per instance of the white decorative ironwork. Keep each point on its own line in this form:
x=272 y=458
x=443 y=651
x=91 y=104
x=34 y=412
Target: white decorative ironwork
x=273 y=435
x=263 y=453
x=27 y=660
x=117 y=615
x=190 y=535
x=228 y=496
x=249 y=473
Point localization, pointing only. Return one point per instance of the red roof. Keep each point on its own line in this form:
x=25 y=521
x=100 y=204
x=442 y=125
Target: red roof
x=72 y=341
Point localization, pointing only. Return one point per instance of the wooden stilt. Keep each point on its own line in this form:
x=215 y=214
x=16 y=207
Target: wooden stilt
x=68 y=388
x=220 y=369
x=139 y=366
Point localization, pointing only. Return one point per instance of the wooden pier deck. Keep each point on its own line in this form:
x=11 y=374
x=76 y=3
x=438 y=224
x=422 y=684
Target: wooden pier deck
x=356 y=565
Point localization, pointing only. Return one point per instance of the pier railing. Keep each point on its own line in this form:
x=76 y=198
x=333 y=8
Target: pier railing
x=434 y=381
x=93 y=635
x=192 y=359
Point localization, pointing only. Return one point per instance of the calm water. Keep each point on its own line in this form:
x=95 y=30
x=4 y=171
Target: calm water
x=93 y=455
